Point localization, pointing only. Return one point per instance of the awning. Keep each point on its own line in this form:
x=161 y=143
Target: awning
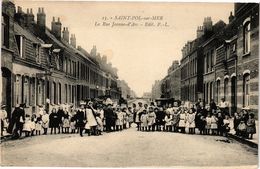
x=56 y=50
x=46 y=45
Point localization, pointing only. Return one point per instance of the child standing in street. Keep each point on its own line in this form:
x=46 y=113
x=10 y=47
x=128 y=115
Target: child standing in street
x=27 y=125
x=191 y=121
x=100 y=124
x=168 y=121
x=144 y=120
x=38 y=126
x=251 y=129
x=119 y=120
x=45 y=122
x=214 y=125
x=226 y=127
x=208 y=124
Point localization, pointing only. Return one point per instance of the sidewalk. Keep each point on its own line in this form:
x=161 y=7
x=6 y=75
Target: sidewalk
x=251 y=142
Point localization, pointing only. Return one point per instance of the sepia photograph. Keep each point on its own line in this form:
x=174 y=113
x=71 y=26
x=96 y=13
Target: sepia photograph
x=129 y=84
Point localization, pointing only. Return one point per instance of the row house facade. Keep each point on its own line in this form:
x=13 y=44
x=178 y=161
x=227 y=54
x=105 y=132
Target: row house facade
x=237 y=59
x=42 y=65
x=171 y=84
x=228 y=56
x=222 y=62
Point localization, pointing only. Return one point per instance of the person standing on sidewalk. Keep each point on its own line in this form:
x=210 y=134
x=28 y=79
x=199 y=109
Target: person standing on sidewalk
x=251 y=129
x=45 y=122
x=91 y=124
x=60 y=114
x=3 y=116
x=223 y=106
x=18 y=118
x=81 y=118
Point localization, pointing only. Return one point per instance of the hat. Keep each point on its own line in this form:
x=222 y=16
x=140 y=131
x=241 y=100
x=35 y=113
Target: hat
x=3 y=106
x=90 y=102
x=82 y=103
x=22 y=105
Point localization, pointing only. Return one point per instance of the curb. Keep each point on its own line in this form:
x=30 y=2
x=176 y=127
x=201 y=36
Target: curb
x=244 y=141
x=5 y=138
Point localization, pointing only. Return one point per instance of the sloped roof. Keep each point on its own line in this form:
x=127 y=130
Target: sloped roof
x=21 y=31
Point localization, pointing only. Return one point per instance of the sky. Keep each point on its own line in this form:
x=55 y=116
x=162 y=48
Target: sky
x=142 y=54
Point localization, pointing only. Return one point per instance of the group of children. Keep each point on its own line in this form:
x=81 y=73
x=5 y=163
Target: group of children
x=66 y=120
x=184 y=119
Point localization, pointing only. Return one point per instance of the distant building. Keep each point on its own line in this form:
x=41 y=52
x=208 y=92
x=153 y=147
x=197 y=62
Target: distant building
x=171 y=84
x=125 y=89
x=156 y=90
x=147 y=95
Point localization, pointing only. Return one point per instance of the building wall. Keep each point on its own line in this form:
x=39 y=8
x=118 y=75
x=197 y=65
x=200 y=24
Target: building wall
x=7 y=50
x=38 y=65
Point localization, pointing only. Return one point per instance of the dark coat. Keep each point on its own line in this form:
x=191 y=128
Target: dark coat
x=17 y=114
x=81 y=118
x=54 y=120
x=60 y=114
x=160 y=115
x=110 y=117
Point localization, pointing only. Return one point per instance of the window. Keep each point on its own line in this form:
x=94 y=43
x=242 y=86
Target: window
x=247 y=37
x=246 y=90
x=54 y=93
x=225 y=88
x=37 y=52
x=20 y=40
x=218 y=91
x=212 y=59
x=39 y=92
x=26 y=91
x=69 y=94
x=65 y=65
x=66 y=93
x=5 y=30
x=59 y=87
x=32 y=92
x=17 y=90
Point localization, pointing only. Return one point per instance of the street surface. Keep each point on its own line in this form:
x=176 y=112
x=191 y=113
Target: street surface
x=128 y=148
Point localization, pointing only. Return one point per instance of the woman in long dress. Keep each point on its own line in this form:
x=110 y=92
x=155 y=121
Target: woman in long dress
x=182 y=122
x=151 y=119
x=91 y=120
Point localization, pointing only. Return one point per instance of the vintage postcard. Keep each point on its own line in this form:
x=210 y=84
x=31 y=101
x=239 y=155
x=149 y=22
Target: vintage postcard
x=129 y=84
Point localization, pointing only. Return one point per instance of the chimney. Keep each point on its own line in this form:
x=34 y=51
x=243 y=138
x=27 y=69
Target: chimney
x=66 y=35
x=56 y=28
x=199 y=31
x=207 y=24
x=29 y=18
x=93 y=51
x=104 y=59
x=231 y=17
x=73 y=40
x=19 y=9
x=20 y=17
x=41 y=18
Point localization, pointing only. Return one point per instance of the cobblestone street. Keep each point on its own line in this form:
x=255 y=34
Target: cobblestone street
x=128 y=148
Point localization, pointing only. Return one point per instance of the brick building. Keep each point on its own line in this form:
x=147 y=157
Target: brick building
x=39 y=63
x=222 y=62
x=171 y=84
x=156 y=89
x=238 y=59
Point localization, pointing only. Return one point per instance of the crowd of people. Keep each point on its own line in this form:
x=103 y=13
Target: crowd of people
x=94 y=118
x=208 y=120
x=91 y=117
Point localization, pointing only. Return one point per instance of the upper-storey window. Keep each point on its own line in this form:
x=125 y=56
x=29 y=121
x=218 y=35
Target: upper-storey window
x=20 y=40
x=5 y=30
x=246 y=36
x=37 y=52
